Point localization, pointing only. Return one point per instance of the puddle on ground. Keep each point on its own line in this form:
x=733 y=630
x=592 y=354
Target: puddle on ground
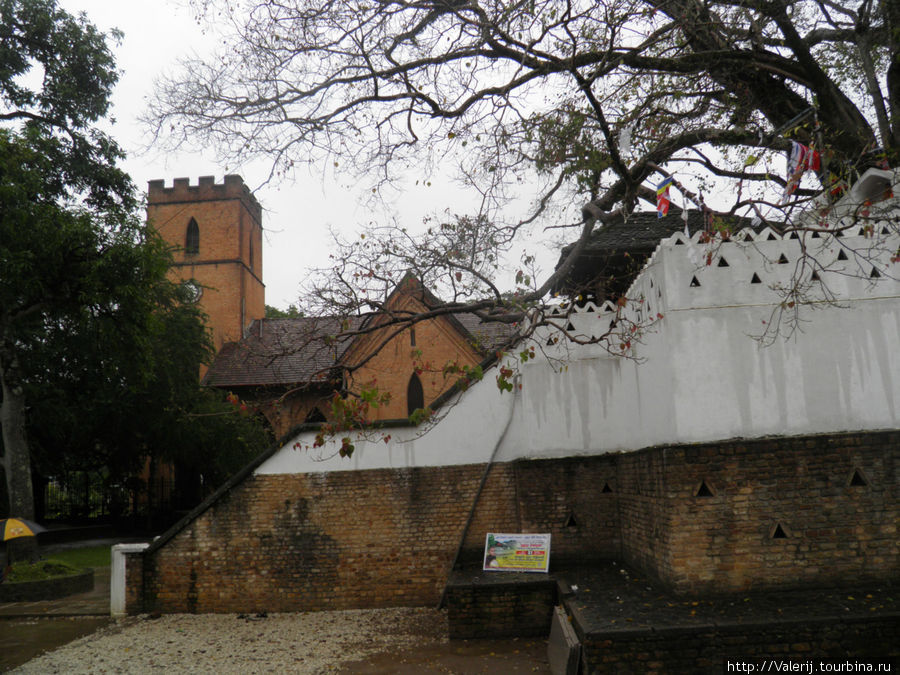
x=23 y=639
x=515 y=655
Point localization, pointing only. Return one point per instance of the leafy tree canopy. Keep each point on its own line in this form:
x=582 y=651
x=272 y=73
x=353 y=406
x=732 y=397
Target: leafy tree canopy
x=292 y=312
x=99 y=353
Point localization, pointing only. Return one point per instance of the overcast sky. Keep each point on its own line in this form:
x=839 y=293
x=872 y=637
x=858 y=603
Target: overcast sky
x=297 y=213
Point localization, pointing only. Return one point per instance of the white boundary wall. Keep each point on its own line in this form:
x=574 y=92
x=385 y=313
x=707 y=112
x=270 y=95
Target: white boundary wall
x=698 y=375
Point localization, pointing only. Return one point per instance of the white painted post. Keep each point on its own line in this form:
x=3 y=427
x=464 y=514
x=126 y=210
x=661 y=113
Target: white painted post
x=117 y=577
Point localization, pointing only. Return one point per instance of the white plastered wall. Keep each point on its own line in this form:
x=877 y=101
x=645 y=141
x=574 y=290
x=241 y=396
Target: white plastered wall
x=698 y=374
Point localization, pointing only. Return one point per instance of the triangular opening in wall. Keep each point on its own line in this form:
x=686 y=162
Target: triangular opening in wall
x=842 y=255
x=793 y=235
x=695 y=283
x=703 y=490
x=570 y=521
x=678 y=242
x=885 y=230
x=606 y=488
x=570 y=327
x=779 y=532
x=315 y=416
x=858 y=480
x=814 y=276
x=755 y=279
x=839 y=233
x=723 y=263
x=551 y=341
x=612 y=324
x=816 y=235
x=772 y=237
x=875 y=274
x=782 y=259
x=589 y=309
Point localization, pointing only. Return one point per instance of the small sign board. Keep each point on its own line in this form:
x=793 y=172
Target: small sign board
x=516 y=552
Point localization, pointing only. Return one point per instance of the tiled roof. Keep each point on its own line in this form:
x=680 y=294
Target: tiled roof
x=639 y=235
x=644 y=230
x=279 y=352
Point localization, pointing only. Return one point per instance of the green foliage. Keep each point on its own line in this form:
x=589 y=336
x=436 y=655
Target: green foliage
x=209 y=420
x=420 y=415
x=292 y=312
x=89 y=556
x=43 y=569
x=468 y=375
x=504 y=378
x=101 y=347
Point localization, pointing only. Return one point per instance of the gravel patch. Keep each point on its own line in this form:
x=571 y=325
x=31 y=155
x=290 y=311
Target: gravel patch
x=313 y=642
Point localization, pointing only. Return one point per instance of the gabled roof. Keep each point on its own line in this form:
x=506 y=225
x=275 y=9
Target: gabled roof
x=308 y=350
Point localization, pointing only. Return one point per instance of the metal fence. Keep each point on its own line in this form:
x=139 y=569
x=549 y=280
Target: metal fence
x=82 y=496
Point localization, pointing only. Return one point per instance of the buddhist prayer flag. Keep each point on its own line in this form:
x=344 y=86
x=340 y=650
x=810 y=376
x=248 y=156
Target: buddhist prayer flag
x=800 y=160
x=662 y=197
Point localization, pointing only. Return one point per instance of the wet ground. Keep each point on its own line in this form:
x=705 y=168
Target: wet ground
x=28 y=629
x=522 y=655
x=23 y=639
x=605 y=597
x=608 y=597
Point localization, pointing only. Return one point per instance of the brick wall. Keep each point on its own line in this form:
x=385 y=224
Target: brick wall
x=388 y=537
x=437 y=342
x=500 y=605
x=134 y=583
x=836 y=528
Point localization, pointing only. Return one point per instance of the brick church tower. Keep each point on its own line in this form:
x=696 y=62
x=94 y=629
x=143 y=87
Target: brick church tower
x=216 y=231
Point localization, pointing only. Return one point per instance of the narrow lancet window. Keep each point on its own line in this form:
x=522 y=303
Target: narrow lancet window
x=415 y=397
x=192 y=238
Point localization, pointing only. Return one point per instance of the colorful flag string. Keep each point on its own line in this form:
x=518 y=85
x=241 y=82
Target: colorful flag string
x=662 y=197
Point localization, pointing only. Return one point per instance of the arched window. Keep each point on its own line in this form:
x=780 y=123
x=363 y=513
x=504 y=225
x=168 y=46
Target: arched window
x=415 y=397
x=192 y=238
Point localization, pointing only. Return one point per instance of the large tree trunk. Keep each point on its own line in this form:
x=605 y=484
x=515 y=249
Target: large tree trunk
x=16 y=457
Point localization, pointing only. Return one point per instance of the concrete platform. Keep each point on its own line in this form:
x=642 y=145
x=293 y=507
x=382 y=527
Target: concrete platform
x=626 y=623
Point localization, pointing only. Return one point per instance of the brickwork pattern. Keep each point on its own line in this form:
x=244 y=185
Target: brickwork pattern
x=497 y=609
x=390 y=369
x=134 y=583
x=388 y=537
x=318 y=541
x=573 y=500
x=229 y=261
x=774 y=512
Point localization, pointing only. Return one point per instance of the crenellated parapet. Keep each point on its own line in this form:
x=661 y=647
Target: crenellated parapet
x=206 y=189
